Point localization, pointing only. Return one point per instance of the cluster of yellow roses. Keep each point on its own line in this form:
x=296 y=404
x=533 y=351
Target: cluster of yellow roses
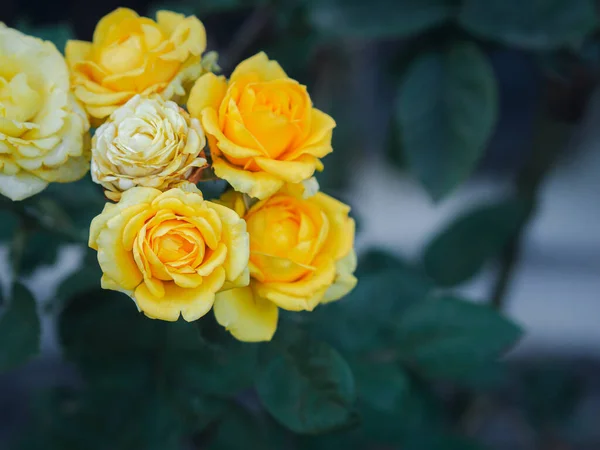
x=271 y=241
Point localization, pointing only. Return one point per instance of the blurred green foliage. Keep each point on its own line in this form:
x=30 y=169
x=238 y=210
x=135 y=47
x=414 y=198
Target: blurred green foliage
x=382 y=368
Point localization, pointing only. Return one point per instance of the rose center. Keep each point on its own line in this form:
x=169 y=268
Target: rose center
x=18 y=101
x=19 y=104
x=281 y=231
x=177 y=244
x=277 y=102
x=123 y=55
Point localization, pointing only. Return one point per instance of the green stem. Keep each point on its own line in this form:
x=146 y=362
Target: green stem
x=508 y=261
x=548 y=143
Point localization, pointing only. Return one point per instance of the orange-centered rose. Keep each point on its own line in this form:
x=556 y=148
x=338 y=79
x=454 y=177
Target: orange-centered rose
x=301 y=255
x=132 y=55
x=263 y=130
x=171 y=252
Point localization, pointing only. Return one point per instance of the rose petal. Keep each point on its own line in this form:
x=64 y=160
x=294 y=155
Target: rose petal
x=190 y=303
x=261 y=65
x=256 y=184
x=245 y=315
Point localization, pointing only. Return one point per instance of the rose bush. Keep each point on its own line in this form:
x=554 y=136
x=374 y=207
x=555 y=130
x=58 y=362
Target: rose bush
x=301 y=255
x=43 y=130
x=263 y=129
x=132 y=55
x=146 y=142
x=171 y=252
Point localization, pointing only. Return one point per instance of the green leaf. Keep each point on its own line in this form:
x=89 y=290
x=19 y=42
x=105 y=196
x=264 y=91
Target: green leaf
x=536 y=25
x=85 y=279
x=39 y=248
x=393 y=147
x=8 y=224
x=483 y=378
x=446 y=111
x=417 y=412
x=309 y=389
x=238 y=429
x=99 y=420
x=367 y=316
x=461 y=250
x=74 y=204
x=159 y=369
x=19 y=329
x=446 y=337
x=224 y=365
x=378 y=19
x=383 y=386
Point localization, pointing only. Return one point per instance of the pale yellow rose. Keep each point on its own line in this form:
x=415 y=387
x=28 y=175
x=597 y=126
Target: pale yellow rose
x=301 y=255
x=43 y=130
x=171 y=252
x=262 y=128
x=132 y=55
x=146 y=142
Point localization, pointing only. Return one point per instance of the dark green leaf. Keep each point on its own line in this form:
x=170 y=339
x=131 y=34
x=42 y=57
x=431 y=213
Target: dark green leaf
x=446 y=111
x=76 y=203
x=100 y=420
x=418 y=412
x=445 y=337
x=19 y=329
x=8 y=224
x=85 y=279
x=461 y=250
x=309 y=389
x=367 y=316
x=159 y=369
x=537 y=25
x=40 y=248
x=378 y=19
x=383 y=386
x=490 y=375
x=224 y=365
x=393 y=147
x=239 y=429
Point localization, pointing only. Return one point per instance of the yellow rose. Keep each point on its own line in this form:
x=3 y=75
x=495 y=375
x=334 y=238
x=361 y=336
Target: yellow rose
x=171 y=252
x=43 y=131
x=262 y=128
x=146 y=142
x=301 y=255
x=132 y=55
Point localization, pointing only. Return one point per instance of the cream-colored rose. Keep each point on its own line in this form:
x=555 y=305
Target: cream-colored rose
x=147 y=142
x=43 y=130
